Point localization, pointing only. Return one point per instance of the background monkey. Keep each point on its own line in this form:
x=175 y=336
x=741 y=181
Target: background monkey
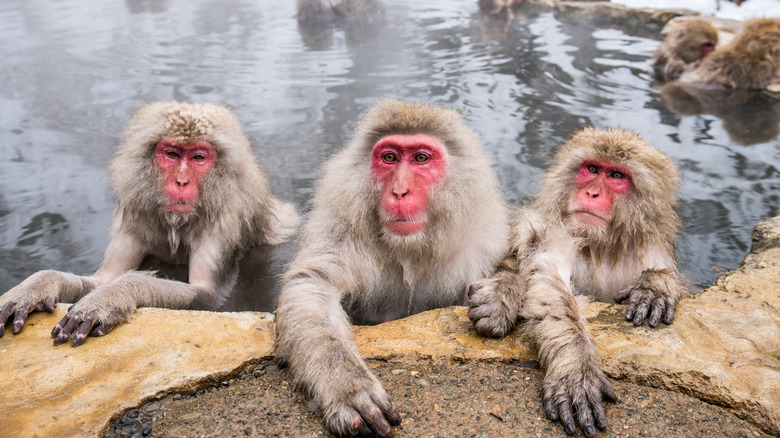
x=189 y=190
x=603 y=226
x=404 y=219
x=687 y=42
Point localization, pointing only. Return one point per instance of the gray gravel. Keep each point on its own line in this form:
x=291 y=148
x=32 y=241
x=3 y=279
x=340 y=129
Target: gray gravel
x=435 y=400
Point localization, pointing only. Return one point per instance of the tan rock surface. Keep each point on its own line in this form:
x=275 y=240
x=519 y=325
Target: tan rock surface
x=48 y=391
x=724 y=348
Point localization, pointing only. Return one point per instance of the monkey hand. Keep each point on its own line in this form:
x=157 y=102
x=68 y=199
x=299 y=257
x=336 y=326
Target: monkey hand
x=650 y=297
x=491 y=306
x=362 y=409
x=577 y=387
x=38 y=292
x=94 y=315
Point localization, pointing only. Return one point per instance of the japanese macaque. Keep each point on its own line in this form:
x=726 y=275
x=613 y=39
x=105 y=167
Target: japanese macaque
x=750 y=62
x=324 y=10
x=189 y=190
x=603 y=226
x=687 y=42
x=404 y=219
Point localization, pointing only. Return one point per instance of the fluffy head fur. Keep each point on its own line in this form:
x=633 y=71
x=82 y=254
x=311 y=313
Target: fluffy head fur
x=647 y=210
x=235 y=197
x=681 y=48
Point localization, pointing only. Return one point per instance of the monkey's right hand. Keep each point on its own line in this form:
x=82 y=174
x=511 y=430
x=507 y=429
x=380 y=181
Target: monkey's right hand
x=490 y=309
x=575 y=385
x=361 y=411
x=38 y=292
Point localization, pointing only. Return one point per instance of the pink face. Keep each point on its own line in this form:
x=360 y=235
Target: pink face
x=183 y=166
x=598 y=185
x=406 y=167
x=706 y=48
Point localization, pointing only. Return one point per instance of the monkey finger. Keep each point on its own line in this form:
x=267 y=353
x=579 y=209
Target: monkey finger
x=549 y=409
x=630 y=311
x=567 y=417
x=640 y=312
x=607 y=392
x=47 y=305
x=585 y=417
x=81 y=334
x=101 y=329
x=473 y=289
x=68 y=324
x=600 y=414
x=19 y=319
x=375 y=420
x=6 y=313
x=389 y=411
x=655 y=314
x=669 y=317
x=620 y=297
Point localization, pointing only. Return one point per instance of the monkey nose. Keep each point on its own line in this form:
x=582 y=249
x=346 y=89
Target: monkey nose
x=400 y=193
x=182 y=182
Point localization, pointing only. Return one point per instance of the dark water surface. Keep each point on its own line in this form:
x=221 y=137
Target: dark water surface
x=73 y=72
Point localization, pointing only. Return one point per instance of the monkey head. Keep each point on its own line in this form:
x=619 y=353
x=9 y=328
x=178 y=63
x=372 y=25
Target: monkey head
x=690 y=40
x=612 y=185
x=176 y=158
x=405 y=168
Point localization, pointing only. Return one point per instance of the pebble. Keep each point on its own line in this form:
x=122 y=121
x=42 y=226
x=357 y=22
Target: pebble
x=422 y=382
x=398 y=371
x=151 y=407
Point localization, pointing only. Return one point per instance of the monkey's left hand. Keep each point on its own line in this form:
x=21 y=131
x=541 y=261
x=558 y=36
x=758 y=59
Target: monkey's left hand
x=577 y=387
x=94 y=315
x=650 y=297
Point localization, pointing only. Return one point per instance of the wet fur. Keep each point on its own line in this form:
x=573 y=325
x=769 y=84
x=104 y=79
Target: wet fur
x=750 y=62
x=236 y=210
x=349 y=269
x=553 y=260
x=681 y=49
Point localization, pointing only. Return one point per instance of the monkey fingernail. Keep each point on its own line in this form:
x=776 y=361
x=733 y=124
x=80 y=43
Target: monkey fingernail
x=590 y=431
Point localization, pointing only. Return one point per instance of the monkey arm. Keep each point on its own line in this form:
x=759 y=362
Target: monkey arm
x=573 y=383
x=42 y=290
x=314 y=336
x=494 y=302
x=212 y=274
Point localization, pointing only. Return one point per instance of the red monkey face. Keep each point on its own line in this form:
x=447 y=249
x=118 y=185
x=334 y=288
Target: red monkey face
x=183 y=166
x=598 y=184
x=406 y=167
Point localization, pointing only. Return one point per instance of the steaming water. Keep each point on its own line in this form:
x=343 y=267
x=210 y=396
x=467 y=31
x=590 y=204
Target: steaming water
x=73 y=72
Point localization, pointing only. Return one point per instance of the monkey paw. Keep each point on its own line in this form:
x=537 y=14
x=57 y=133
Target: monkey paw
x=365 y=413
x=87 y=318
x=577 y=390
x=646 y=302
x=491 y=310
x=38 y=293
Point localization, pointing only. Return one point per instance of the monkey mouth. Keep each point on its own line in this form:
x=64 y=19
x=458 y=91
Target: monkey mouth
x=589 y=218
x=181 y=208
x=404 y=226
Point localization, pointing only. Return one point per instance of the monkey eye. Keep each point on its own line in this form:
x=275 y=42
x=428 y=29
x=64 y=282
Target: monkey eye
x=389 y=158
x=172 y=154
x=420 y=158
x=198 y=157
x=617 y=175
x=593 y=169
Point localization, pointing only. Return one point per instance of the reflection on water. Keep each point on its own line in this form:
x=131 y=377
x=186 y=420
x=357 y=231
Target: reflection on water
x=73 y=73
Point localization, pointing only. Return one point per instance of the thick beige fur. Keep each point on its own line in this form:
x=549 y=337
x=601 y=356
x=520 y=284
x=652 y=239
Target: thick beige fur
x=553 y=259
x=349 y=269
x=235 y=211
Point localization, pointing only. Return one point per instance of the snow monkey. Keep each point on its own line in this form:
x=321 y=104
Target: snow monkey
x=686 y=43
x=751 y=61
x=404 y=219
x=188 y=190
x=602 y=226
